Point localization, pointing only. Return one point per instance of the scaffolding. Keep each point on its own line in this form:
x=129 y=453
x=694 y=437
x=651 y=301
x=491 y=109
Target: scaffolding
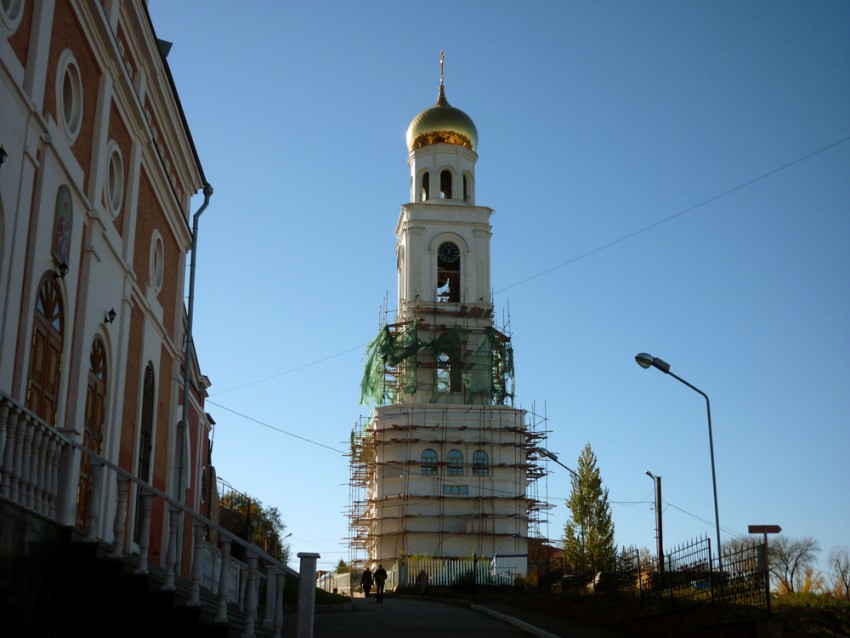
x=440 y=355
x=442 y=380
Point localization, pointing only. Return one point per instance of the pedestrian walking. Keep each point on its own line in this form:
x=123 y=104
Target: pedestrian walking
x=366 y=581
x=380 y=578
x=422 y=583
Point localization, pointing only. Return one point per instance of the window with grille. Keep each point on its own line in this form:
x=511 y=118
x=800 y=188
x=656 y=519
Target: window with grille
x=428 y=462
x=454 y=463
x=480 y=463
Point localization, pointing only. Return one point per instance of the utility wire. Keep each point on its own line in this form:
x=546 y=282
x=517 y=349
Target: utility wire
x=593 y=251
x=276 y=429
x=291 y=370
x=527 y=279
x=679 y=214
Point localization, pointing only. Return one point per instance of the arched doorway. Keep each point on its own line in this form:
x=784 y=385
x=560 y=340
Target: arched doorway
x=93 y=427
x=46 y=356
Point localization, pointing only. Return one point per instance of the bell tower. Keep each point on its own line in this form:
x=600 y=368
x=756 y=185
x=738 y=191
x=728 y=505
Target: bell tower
x=443 y=464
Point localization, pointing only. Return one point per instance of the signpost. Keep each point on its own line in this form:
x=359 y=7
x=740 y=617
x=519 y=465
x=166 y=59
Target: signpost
x=765 y=529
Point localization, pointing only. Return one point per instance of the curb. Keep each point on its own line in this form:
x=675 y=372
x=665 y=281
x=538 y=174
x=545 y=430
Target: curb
x=528 y=628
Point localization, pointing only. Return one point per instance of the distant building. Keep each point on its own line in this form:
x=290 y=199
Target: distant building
x=444 y=466
x=98 y=172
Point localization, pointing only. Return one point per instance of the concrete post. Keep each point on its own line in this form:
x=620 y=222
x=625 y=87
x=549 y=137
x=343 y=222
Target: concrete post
x=306 y=594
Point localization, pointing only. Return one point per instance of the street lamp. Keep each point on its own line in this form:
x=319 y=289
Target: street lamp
x=658 y=535
x=554 y=457
x=647 y=360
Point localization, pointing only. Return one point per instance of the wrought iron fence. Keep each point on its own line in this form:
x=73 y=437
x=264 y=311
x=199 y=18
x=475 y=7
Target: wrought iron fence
x=743 y=582
x=689 y=575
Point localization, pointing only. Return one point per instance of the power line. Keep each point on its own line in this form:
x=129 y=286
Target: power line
x=276 y=429
x=679 y=214
x=291 y=370
x=584 y=255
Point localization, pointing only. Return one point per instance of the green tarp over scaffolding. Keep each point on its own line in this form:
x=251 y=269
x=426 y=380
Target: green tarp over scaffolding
x=480 y=363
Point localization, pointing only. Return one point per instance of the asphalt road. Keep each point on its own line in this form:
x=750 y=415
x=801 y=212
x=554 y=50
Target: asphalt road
x=409 y=617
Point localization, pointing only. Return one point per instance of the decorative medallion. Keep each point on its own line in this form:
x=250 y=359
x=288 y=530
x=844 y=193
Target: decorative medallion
x=62 y=223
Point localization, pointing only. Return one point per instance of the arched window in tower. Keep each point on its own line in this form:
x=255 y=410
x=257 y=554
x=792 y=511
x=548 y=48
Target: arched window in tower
x=428 y=462
x=448 y=272
x=480 y=463
x=46 y=355
x=95 y=419
x=465 y=190
x=454 y=463
x=425 y=193
x=446 y=184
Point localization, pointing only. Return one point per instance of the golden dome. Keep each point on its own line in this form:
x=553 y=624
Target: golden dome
x=442 y=124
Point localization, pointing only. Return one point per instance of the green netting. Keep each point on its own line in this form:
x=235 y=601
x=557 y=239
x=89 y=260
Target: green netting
x=483 y=361
x=386 y=351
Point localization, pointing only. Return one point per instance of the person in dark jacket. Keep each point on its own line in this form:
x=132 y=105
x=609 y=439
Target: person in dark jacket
x=380 y=579
x=422 y=583
x=366 y=581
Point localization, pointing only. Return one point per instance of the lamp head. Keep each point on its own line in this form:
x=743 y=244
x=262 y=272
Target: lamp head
x=650 y=475
x=645 y=360
x=544 y=452
x=110 y=316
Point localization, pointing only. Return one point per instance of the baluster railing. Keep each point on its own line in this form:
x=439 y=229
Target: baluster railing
x=171 y=553
x=32 y=470
x=23 y=469
x=42 y=474
x=222 y=582
x=93 y=515
x=144 y=530
x=33 y=457
x=251 y=597
x=17 y=453
x=197 y=566
x=120 y=518
x=9 y=453
x=271 y=589
x=280 y=583
x=5 y=407
x=53 y=475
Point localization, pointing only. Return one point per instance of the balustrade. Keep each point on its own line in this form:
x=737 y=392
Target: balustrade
x=32 y=455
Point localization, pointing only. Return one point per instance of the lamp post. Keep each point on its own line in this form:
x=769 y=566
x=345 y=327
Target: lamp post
x=645 y=360
x=658 y=535
x=554 y=457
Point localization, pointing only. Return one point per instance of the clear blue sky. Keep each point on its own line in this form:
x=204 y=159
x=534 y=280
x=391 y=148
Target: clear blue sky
x=668 y=177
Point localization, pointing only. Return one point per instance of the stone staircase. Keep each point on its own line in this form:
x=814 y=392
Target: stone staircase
x=53 y=584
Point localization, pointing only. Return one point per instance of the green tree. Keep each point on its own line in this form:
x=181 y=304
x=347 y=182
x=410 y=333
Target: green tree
x=589 y=532
x=342 y=567
x=261 y=525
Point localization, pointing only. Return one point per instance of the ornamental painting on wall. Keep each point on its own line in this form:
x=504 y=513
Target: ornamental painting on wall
x=62 y=222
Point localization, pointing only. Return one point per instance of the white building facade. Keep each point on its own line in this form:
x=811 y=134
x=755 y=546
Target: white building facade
x=98 y=173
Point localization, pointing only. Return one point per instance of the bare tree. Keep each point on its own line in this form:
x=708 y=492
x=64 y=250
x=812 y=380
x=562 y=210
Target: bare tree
x=839 y=569
x=789 y=560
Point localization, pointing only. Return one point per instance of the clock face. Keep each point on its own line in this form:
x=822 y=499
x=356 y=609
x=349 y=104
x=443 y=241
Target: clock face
x=448 y=251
